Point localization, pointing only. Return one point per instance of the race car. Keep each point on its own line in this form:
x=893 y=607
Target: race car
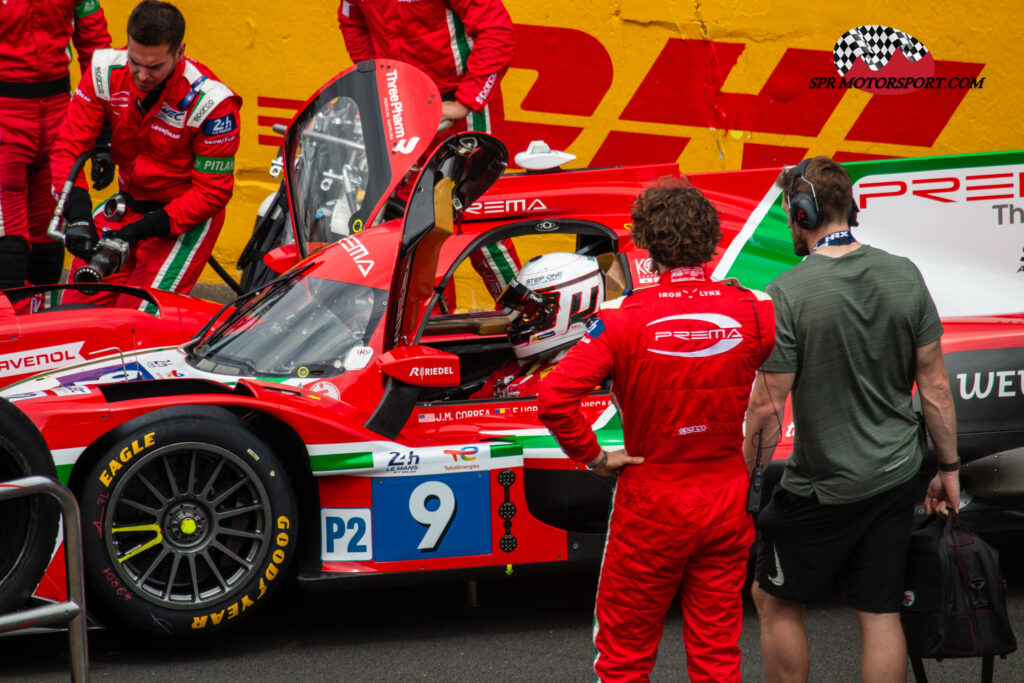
x=325 y=426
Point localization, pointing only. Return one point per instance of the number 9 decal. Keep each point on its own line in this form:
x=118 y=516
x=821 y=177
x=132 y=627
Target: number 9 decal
x=437 y=520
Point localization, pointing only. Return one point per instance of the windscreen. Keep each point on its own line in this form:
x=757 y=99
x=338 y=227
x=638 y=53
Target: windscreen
x=299 y=327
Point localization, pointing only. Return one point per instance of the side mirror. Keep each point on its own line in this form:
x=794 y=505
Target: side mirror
x=421 y=366
x=280 y=259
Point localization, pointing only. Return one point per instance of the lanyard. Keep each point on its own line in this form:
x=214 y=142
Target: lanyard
x=834 y=239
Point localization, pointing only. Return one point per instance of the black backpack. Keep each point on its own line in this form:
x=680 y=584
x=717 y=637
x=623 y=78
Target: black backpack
x=954 y=603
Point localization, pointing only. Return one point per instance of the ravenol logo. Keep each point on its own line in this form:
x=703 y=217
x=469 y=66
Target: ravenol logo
x=467 y=453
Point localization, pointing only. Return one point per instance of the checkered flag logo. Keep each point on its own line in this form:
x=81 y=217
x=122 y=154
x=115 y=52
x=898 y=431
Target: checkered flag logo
x=875 y=45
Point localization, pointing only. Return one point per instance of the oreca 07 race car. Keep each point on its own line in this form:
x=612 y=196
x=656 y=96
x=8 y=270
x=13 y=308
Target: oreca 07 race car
x=325 y=424
x=326 y=420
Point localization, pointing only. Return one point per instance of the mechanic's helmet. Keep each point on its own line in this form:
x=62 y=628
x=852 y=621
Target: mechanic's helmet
x=556 y=295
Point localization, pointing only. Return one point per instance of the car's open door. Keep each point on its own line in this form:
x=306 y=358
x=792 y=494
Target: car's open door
x=352 y=145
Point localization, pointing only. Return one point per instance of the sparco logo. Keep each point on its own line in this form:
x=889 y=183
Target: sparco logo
x=694 y=429
x=723 y=335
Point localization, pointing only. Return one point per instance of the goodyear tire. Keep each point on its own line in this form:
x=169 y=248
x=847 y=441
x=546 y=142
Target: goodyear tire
x=190 y=523
x=28 y=524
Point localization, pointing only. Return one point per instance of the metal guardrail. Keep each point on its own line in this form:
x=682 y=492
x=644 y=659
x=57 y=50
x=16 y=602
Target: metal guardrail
x=73 y=610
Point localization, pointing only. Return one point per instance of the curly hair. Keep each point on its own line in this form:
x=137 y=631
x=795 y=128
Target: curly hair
x=675 y=223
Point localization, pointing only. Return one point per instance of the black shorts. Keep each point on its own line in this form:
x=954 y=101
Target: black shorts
x=804 y=547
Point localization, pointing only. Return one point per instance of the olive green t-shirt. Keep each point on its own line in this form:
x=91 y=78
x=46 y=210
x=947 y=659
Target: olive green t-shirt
x=849 y=327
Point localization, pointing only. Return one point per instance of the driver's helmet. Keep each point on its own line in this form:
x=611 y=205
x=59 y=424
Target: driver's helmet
x=555 y=295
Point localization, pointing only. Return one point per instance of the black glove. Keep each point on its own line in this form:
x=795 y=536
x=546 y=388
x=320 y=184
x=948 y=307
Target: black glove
x=103 y=166
x=153 y=224
x=80 y=236
x=103 y=170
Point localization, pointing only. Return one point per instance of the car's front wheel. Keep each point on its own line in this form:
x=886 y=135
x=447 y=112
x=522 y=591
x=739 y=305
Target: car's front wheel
x=28 y=524
x=190 y=522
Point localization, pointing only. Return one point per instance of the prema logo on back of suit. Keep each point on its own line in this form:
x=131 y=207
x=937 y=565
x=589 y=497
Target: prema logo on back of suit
x=695 y=335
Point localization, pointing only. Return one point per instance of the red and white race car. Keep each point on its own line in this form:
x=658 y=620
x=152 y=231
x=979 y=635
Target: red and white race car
x=324 y=425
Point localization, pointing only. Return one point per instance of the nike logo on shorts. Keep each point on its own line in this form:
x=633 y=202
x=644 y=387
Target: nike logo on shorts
x=779 y=577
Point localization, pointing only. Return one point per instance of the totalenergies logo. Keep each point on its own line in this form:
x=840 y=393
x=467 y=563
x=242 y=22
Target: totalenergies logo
x=467 y=453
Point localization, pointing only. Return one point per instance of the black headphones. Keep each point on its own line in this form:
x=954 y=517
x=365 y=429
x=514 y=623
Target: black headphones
x=804 y=209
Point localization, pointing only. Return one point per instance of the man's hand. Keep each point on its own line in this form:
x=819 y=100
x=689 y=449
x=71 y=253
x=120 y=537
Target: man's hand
x=616 y=461
x=943 y=493
x=153 y=224
x=453 y=111
x=80 y=238
x=103 y=170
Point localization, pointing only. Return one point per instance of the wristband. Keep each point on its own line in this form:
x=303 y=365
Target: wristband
x=950 y=466
x=600 y=463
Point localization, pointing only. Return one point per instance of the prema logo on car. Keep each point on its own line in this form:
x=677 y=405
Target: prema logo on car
x=695 y=335
x=358 y=251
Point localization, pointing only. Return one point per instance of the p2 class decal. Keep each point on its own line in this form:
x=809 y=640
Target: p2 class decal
x=346 y=535
x=431 y=517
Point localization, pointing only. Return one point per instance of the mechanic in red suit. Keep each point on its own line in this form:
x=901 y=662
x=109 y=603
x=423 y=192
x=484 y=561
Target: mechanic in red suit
x=682 y=356
x=465 y=46
x=554 y=297
x=34 y=92
x=175 y=135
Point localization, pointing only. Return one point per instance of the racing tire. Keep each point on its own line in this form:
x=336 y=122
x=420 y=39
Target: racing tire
x=190 y=523
x=28 y=524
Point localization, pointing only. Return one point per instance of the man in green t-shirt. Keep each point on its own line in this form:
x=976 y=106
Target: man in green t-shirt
x=855 y=329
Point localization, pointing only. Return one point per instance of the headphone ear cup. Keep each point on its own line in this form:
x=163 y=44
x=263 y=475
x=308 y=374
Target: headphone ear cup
x=803 y=211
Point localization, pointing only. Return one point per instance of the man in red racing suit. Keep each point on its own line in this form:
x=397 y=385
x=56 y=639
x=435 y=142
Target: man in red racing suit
x=34 y=92
x=465 y=46
x=175 y=135
x=682 y=356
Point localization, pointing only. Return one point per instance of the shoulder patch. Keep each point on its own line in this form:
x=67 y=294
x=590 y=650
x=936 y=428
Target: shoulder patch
x=595 y=328
x=759 y=295
x=211 y=94
x=222 y=125
x=102 y=62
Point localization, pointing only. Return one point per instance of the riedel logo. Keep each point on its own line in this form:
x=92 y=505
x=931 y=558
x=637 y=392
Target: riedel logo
x=710 y=333
x=431 y=372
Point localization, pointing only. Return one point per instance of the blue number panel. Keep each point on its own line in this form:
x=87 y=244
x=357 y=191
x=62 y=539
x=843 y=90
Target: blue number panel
x=437 y=516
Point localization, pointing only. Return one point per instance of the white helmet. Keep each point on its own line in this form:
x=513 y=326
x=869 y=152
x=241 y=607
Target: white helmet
x=556 y=296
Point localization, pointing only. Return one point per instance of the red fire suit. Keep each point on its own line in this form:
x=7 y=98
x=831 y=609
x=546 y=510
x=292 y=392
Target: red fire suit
x=180 y=153
x=35 y=36
x=682 y=357
x=465 y=46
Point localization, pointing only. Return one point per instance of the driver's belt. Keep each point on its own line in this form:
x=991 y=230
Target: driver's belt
x=28 y=91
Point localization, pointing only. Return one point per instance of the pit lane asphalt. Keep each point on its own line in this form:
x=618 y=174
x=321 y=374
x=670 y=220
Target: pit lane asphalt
x=523 y=630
